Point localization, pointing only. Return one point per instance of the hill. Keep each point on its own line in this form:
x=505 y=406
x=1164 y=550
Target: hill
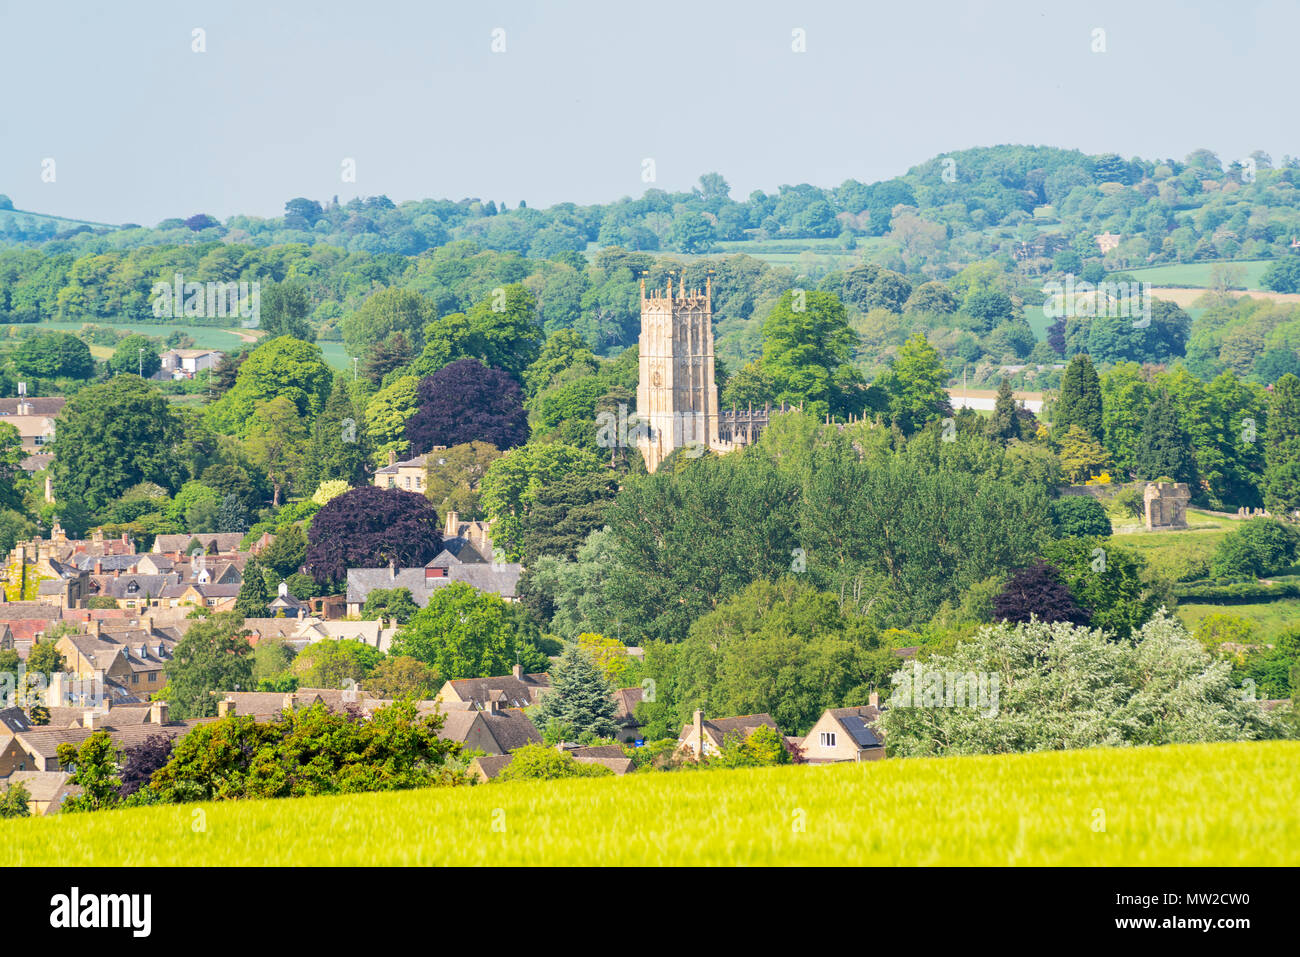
x=1182 y=805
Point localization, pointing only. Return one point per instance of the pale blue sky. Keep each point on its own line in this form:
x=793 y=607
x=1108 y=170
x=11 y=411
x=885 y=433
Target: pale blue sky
x=142 y=128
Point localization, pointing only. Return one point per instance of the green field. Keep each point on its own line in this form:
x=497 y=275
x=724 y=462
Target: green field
x=205 y=337
x=1198 y=274
x=1220 y=804
x=1271 y=618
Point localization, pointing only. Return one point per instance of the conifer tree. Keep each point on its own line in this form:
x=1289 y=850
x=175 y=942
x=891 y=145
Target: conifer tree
x=1164 y=447
x=1080 y=400
x=339 y=445
x=1005 y=424
x=254 y=597
x=1282 y=446
x=580 y=697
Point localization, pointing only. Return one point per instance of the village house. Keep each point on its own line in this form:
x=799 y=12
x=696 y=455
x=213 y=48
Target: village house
x=186 y=363
x=515 y=690
x=845 y=734
x=33 y=417
x=715 y=732
x=47 y=789
x=408 y=475
x=496 y=730
x=126 y=726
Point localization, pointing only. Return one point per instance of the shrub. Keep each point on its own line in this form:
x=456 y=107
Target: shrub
x=1259 y=547
x=1079 y=516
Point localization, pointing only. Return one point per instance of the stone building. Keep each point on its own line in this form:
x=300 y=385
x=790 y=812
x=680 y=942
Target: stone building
x=677 y=396
x=1166 y=505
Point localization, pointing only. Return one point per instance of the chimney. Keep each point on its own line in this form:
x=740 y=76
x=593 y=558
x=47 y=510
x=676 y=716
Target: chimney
x=96 y=628
x=99 y=566
x=90 y=720
x=225 y=707
x=874 y=699
x=291 y=700
x=158 y=712
x=453 y=522
x=392 y=457
x=518 y=672
x=699 y=734
x=392 y=568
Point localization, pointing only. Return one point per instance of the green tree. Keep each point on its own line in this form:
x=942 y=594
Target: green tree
x=1080 y=400
x=403 y=677
x=1082 y=456
x=539 y=762
x=1107 y=581
x=111 y=437
x=52 y=355
x=454 y=476
x=1164 y=448
x=513 y=480
x=276 y=441
x=343 y=664
x=95 y=769
x=384 y=313
x=389 y=603
x=340 y=448
x=466 y=633
x=254 y=596
x=807 y=352
x=284 y=310
x=386 y=416
x=44 y=658
x=13 y=801
x=1005 y=423
x=214 y=656
x=135 y=353
x=1282 y=447
x=283 y=367
x=914 y=385
x=580 y=697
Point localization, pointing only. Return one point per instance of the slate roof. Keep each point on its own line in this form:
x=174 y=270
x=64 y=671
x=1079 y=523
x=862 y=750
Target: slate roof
x=416 y=463
x=225 y=541
x=40 y=405
x=135 y=586
x=518 y=693
x=44 y=786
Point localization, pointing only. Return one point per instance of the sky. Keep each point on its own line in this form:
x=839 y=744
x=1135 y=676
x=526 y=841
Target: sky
x=552 y=102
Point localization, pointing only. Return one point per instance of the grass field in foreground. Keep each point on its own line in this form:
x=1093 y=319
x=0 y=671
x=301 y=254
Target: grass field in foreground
x=1187 y=804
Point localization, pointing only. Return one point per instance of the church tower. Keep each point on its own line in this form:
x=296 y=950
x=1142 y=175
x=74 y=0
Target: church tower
x=677 y=399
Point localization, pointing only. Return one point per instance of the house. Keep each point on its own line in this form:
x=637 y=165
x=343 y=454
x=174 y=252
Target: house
x=626 y=700
x=496 y=730
x=845 y=734
x=285 y=604
x=186 y=363
x=714 y=733
x=33 y=418
x=135 y=658
x=213 y=543
x=124 y=726
x=408 y=476
x=48 y=789
x=459 y=561
x=307 y=630
x=515 y=690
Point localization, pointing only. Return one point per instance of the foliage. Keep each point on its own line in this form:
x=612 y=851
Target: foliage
x=1258 y=547
x=1037 y=592
x=94 y=765
x=213 y=656
x=1079 y=516
x=394 y=604
x=467 y=402
x=539 y=762
x=370 y=527
x=398 y=677
x=1064 y=686
x=580 y=696
x=466 y=633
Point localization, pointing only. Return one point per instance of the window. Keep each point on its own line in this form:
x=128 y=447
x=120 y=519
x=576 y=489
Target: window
x=135 y=679
x=827 y=739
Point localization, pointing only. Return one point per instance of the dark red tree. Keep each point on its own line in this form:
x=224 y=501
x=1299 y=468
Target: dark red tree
x=370 y=527
x=466 y=401
x=140 y=761
x=1038 y=591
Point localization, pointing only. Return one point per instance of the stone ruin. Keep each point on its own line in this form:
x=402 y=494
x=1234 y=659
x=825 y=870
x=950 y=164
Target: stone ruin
x=1166 y=505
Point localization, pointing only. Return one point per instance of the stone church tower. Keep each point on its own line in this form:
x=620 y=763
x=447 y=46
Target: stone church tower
x=677 y=399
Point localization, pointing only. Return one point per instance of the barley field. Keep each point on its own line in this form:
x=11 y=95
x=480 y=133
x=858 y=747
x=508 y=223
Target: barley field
x=1221 y=804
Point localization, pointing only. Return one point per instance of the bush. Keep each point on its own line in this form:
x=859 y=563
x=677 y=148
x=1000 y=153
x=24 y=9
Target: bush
x=538 y=762
x=1260 y=547
x=1079 y=516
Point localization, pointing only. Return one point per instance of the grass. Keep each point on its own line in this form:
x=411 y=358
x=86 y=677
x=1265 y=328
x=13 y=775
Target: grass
x=205 y=337
x=1219 y=804
x=1270 y=618
x=1199 y=274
